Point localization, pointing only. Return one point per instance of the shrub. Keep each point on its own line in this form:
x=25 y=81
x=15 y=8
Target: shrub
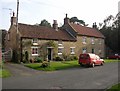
x=45 y=64
x=71 y=58
x=38 y=59
x=58 y=59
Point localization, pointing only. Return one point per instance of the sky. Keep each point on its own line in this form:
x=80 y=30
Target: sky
x=33 y=11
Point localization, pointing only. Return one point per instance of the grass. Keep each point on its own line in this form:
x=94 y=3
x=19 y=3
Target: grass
x=115 y=88
x=54 y=65
x=60 y=65
x=111 y=60
x=4 y=73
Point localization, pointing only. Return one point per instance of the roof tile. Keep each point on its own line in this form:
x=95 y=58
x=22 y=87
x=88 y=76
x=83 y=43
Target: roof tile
x=42 y=32
x=87 y=31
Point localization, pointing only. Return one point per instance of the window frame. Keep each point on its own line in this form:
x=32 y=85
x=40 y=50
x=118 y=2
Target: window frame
x=36 y=53
x=60 y=42
x=84 y=50
x=35 y=41
x=84 y=40
x=60 y=52
x=92 y=40
x=72 y=50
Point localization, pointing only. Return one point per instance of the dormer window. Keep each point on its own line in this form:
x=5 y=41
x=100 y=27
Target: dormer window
x=35 y=41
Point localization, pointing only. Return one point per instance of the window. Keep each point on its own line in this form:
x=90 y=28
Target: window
x=35 y=41
x=34 y=51
x=60 y=42
x=100 y=51
x=84 y=40
x=72 y=50
x=92 y=41
x=60 y=49
x=100 y=42
x=84 y=50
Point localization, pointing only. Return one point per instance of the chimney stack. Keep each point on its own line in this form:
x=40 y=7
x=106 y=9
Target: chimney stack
x=13 y=19
x=94 y=25
x=66 y=20
x=55 y=25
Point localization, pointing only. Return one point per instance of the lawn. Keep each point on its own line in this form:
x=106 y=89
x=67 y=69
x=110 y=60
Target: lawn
x=4 y=73
x=111 y=60
x=115 y=88
x=54 y=65
x=60 y=65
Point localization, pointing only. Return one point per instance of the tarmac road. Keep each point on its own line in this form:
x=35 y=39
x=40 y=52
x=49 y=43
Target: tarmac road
x=99 y=77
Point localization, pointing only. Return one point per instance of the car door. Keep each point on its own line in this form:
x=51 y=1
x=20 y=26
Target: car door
x=98 y=61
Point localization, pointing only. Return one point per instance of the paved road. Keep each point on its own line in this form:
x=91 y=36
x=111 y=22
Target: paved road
x=100 y=77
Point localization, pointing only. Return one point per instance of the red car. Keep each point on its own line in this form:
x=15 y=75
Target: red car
x=90 y=59
x=115 y=56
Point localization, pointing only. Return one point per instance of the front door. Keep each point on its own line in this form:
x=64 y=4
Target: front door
x=49 y=53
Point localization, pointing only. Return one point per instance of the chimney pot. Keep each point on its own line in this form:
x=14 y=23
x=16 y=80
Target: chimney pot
x=66 y=20
x=55 y=25
x=13 y=19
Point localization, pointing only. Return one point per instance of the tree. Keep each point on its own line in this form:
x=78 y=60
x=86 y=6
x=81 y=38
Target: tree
x=111 y=31
x=45 y=23
x=76 y=20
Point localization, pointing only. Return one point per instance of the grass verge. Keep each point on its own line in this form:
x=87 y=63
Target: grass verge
x=60 y=65
x=54 y=65
x=114 y=88
x=4 y=73
x=111 y=60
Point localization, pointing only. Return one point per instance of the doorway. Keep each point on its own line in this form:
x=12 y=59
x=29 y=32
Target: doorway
x=50 y=52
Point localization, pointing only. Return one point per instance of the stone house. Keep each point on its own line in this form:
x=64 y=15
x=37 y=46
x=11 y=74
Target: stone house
x=89 y=40
x=40 y=41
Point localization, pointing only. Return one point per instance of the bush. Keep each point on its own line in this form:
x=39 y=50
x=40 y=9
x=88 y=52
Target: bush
x=45 y=64
x=71 y=58
x=58 y=59
x=38 y=59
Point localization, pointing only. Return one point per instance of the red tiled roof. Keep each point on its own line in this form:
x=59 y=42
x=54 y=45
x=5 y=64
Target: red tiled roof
x=33 y=31
x=87 y=31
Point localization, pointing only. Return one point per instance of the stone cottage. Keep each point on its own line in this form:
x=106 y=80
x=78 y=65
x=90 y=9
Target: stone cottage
x=41 y=41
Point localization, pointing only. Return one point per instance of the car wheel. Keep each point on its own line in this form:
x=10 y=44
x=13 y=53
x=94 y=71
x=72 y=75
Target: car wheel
x=81 y=64
x=93 y=64
x=102 y=64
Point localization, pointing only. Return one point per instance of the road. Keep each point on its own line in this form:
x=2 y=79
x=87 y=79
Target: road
x=99 y=77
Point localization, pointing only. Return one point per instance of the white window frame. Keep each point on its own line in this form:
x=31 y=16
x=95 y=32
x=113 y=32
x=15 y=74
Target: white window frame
x=93 y=40
x=35 y=41
x=84 y=40
x=84 y=50
x=32 y=51
x=60 y=42
x=72 y=50
x=60 y=52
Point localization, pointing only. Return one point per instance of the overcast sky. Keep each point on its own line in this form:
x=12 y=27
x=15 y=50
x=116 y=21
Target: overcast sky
x=33 y=11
